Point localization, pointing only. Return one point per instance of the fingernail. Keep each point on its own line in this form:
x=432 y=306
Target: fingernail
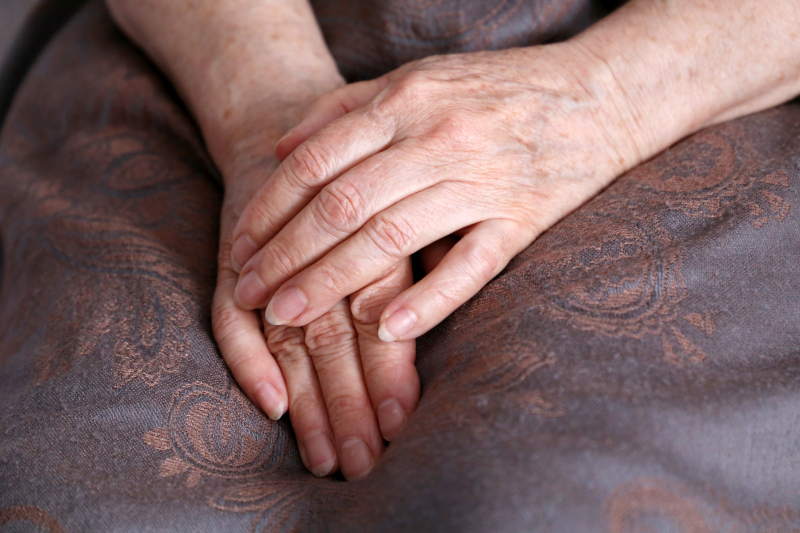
x=398 y=324
x=243 y=249
x=356 y=458
x=320 y=455
x=251 y=290
x=391 y=418
x=285 y=307
x=271 y=401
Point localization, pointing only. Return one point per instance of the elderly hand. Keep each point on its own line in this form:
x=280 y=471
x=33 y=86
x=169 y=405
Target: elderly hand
x=335 y=372
x=497 y=146
x=248 y=72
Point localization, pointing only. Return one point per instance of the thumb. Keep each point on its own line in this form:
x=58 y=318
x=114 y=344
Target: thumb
x=238 y=333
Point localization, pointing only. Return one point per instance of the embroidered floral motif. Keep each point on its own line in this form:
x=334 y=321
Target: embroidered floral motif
x=604 y=273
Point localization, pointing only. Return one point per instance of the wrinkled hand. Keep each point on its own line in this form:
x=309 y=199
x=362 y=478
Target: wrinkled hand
x=248 y=71
x=497 y=146
x=334 y=375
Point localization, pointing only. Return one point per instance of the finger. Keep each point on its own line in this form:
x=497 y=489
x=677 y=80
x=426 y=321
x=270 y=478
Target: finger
x=388 y=237
x=337 y=148
x=432 y=255
x=389 y=370
x=306 y=403
x=244 y=349
x=333 y=347
x=328 y=108
x=472 y=263
x=338 y=211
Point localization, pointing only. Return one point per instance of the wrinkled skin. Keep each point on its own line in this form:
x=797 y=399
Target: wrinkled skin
x=480 y=143
x=474 y=155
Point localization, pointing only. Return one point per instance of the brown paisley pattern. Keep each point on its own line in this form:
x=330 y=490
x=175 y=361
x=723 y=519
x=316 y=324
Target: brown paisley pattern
x=499 y=375
x=218 y=433
x=634 y=370
x=607 y=273
x=614 y=269
x=141 y=296
x=705 y=177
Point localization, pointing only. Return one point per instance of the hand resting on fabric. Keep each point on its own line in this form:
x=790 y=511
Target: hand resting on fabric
x=496 y=145
x=248 y=72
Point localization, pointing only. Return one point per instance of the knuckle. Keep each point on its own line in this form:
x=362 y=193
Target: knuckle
x=258 y=214
x=225 y=266
x=309 y=164
x=330 y=336
x=286 y=344
x=278 y=259
x=457 y=125
x=394 y=236
x=483 y=260
x=331 y=281
x=368 y=305
x=347 y=409
x=455 y=133
x=340 y=206
x=413 y=85
x=226 y=322
x=381 y=115
x=303 y=403
x=442 y=297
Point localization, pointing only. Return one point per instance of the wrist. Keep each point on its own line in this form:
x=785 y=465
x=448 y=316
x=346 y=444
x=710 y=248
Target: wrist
x=677 y=67
x=241 y=128
x=246 y=70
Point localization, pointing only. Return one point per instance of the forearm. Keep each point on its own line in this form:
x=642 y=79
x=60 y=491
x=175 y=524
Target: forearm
x=234 y=63
x=682 y=65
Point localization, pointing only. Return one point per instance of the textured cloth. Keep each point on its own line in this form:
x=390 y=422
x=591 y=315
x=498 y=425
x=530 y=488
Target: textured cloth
x=634 y=370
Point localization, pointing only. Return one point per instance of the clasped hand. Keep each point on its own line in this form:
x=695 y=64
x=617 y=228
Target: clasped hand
x=494 y=147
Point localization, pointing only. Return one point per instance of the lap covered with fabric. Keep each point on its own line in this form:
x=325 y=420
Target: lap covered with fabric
x=635 y=368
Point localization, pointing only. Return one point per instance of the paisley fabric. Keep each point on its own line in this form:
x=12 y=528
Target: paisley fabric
x=634 y=370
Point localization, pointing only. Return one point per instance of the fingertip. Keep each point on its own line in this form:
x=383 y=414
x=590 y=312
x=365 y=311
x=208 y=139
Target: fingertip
x=357 y=459
x=318 y=454
x=384 y=334
x=242 y=250
x=397 y=324
x=272 y=402
x=285 y=307
x=391 y=418
x=269 y=316
x=250 y=292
